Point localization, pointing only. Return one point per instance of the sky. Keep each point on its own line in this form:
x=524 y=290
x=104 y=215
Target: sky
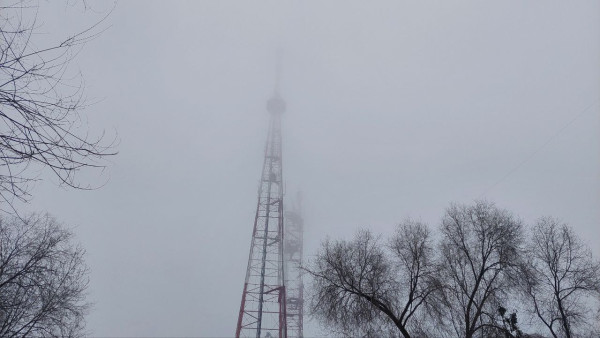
x=394 y=109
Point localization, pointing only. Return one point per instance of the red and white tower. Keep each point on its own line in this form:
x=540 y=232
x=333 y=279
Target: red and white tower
x=263 y=307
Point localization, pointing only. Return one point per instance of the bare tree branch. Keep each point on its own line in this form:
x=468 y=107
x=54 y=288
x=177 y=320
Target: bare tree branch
x=40 y=121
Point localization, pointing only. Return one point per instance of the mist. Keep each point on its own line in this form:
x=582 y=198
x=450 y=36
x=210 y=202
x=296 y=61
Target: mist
x=394 y=110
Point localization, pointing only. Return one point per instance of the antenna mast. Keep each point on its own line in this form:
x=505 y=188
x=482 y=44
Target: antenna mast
x=263 y=307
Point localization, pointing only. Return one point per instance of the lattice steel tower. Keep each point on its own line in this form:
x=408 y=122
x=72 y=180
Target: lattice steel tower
x=263 y=307
x=293 y=252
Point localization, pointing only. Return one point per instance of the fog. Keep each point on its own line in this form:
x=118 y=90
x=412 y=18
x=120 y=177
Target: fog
x=395 y=109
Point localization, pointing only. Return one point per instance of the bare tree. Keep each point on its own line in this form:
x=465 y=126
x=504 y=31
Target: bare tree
x=481 y=255
x=363 y=287
x=40 y=105
x=563 y=275
x=43 y=279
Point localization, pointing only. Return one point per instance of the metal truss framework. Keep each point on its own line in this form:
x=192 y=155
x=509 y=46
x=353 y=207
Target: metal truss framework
x=293 y=244
x=263 y=308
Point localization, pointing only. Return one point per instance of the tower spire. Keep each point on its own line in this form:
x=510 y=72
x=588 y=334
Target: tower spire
x=278 y=70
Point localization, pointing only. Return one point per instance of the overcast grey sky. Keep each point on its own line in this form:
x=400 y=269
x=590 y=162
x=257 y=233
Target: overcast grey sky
x=395 y=109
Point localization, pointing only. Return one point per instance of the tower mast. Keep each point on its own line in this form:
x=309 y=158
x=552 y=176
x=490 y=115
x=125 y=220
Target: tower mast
x=263 y=307
x=293 y=254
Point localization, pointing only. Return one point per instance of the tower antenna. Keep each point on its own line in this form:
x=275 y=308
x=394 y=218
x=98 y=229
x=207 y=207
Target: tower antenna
x=278 y=70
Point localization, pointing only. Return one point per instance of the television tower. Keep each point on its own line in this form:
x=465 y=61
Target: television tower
x=293 y=252
x=263 y=307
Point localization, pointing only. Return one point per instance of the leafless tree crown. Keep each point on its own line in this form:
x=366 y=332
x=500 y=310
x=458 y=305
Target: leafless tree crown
x=483 y=279
x=563 y=275
x=43 y=279
x=363 y=287
x=481 y=255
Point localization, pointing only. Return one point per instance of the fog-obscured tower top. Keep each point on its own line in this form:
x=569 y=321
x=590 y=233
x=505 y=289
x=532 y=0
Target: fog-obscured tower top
x=276 y=105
